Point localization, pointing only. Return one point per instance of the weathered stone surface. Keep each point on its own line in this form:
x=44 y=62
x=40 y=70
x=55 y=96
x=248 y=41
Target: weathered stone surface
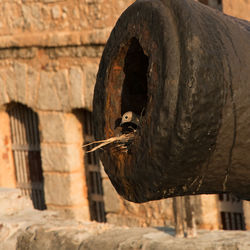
x=60 y=82
x=11 y=84
x=246 y=208
x=210 y=214
x=7 y=169
x=56 y=12
x=76 y=87
x=12 y=201
x=47 y=96
x=23 y=53
x=75 y=51
x=20 y=70
x=90 y=72
x=70 y=184
x=23 y=227
x=53 y=16
x=3 y=93
x=53 y=91
x=59 y=127
x=77 y=212
x=111 y=199
x=32 y=16
x=240 y=8
x=61 y=158
x=31 y=87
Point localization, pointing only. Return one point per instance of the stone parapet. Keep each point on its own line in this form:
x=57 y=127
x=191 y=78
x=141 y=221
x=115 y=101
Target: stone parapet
x=32 y=230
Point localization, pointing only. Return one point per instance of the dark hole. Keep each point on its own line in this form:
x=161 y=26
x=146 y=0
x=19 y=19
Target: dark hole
x=134 y=92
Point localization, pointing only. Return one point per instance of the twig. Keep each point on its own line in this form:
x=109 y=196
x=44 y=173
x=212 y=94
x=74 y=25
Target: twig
x=122 y=139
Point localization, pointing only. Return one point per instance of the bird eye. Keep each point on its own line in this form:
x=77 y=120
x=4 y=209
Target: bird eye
x=126 y=117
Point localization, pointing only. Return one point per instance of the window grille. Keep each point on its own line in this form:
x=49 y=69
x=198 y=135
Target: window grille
x=92 y=169
x=231 y=212
x=26 y=152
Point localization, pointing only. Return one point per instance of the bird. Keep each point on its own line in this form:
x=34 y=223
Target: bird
x=130 y=122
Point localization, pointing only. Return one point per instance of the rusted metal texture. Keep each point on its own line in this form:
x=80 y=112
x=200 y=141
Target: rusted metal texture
x=184 y=68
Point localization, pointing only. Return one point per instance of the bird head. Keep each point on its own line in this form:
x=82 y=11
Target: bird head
x=130 y=121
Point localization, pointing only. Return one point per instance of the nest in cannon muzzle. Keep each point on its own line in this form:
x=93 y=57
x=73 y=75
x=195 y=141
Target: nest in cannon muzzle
x=116 y=144
x=129 y=123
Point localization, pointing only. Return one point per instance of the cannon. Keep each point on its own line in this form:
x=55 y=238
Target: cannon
x=184 y=70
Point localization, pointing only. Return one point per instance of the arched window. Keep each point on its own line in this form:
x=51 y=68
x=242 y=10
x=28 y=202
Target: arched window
x=231 y=212
x=92 y=169
x=26 y=153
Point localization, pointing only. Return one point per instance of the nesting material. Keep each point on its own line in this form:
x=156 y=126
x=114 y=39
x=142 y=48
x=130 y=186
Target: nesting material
x=117 y=143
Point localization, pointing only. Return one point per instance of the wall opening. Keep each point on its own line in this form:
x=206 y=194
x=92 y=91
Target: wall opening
x=92 y=168
x=231 y=212
x=135 y=89
x=26 y=153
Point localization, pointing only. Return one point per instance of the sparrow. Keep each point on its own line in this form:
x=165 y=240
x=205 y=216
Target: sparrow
x=130 y=122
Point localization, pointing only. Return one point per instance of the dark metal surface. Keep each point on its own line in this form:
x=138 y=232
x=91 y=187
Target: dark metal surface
x=185 y=67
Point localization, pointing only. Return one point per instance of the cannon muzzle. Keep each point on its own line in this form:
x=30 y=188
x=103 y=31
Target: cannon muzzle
x=184 y=69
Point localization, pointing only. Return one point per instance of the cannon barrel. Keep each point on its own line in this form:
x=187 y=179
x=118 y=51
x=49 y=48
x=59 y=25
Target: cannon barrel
x=184 y=68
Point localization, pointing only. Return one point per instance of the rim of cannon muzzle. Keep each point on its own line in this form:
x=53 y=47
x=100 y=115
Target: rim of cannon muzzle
x=182 y=68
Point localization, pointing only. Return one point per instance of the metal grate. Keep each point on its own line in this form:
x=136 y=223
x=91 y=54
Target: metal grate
x=92 y=167
x=231 y=212
x=26 y=153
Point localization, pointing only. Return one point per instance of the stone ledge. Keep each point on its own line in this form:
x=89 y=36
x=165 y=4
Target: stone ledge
x=35 y=230
x=55 y=39
x=30 y=229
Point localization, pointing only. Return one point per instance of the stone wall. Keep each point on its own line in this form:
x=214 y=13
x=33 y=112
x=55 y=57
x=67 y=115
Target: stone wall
x=239 y=8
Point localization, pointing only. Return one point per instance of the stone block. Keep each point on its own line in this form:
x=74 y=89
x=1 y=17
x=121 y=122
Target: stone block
x=32 y=16
x=23 y=53
x=47 y=96
x=76 y=87
x=57 y=127
x=11 y=201
x=246 y=209
x=56 y=12
x=240 y=8
x=80 y=212
x=32 y=87
x=64 y=189
x=7 y=168
x=111 y=198
x=20 y=70
x=11 y=84
x=209 y=219
x=52 y=1
x=3 y=93
x=90 y=72
x=53 y=91
x=62 y=158
x=60 y=81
